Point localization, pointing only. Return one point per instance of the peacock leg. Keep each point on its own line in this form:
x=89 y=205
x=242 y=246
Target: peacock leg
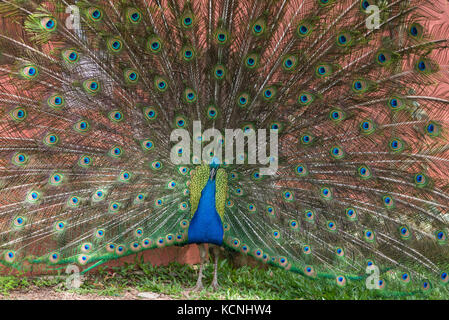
x=199 y=283
x=215 y=284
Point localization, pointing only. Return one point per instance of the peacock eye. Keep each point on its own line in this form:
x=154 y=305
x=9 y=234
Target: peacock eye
x=48 y=24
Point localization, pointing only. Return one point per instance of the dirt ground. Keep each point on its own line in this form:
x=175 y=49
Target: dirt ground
x=52 y=294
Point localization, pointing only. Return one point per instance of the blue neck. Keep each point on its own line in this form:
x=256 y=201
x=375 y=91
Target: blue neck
x=206 y=225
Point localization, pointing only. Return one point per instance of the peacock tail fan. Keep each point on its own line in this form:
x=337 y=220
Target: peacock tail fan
x=355 y=91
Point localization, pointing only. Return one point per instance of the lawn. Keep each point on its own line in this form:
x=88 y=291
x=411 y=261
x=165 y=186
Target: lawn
x=131 y=281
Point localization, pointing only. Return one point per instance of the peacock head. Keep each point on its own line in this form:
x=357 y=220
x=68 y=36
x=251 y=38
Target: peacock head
x=214 y=165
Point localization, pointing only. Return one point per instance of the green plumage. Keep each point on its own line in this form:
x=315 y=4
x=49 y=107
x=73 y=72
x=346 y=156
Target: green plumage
x=90 y=98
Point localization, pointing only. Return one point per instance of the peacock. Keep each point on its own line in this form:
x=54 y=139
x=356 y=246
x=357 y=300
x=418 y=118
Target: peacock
x=310 y=135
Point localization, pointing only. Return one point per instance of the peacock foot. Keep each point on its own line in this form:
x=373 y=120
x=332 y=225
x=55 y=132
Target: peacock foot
x=197 y=288
x=214 y=285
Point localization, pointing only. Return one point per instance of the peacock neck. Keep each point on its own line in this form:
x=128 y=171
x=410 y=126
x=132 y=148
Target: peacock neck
x=206 y=225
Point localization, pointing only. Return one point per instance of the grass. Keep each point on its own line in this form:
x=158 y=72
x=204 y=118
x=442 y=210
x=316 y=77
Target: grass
x=236 y=283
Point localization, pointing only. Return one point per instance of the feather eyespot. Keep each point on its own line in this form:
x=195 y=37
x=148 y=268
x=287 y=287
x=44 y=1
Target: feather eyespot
x=294 y=225
x=341 y=281
x=337 y=153
x=323 y=70
x=85 y=161
x=252 y=61
x=306 y=139
x=351 y=214
x=339 y=252
x=309 y=271
x=444 y=277
x=51 y=139
x=131 y=76
x=344 y=39
x=56 y=101
x=94 y=14
x=53 y=257
x=133 y=15
x=369 y=235
x=259 y=27
x=114 y=207
x=187 y=53
x=150 y=113
x=115 y=152
x=146 y=243
x=124 y=176
x=160 y=84
x=92 y=86
x=290 y=62
x=59 y=226
x=416 y=31
x=114 y=45
x=156 y=165
x=70 y=56
x=396 y=145
x=288 y=196
x=154 y=44
x=134 y=246
x=73 y=201
x=19 y=222
x=243 y=100
x=252 y=208
x=99 y=233
x=9 y=256
x=433 y=129
x=388 y=201
x=404 y=232
x=305 y=99
x=190 y=95
x=326 y=193
x=307 y=249
x=120 y=250
x=269 y=93
x=56 y=179
x=219 y=72
x=20 y=159
x=86 y=247
x=367 y=127
x=29 y=72
x=364 y=172
x=270 y=211
x=360 y=86
x=18 y=114
x=364 y=4
x=33 y=197
x=426 y=285
x=303 y=29
x=110 y=247
x=99 y=195
x=441 y=237
x=221 y=37
x=188 y=20
x=48 y=24
x=331 y=226
x=309 y=215
x=325 y=3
